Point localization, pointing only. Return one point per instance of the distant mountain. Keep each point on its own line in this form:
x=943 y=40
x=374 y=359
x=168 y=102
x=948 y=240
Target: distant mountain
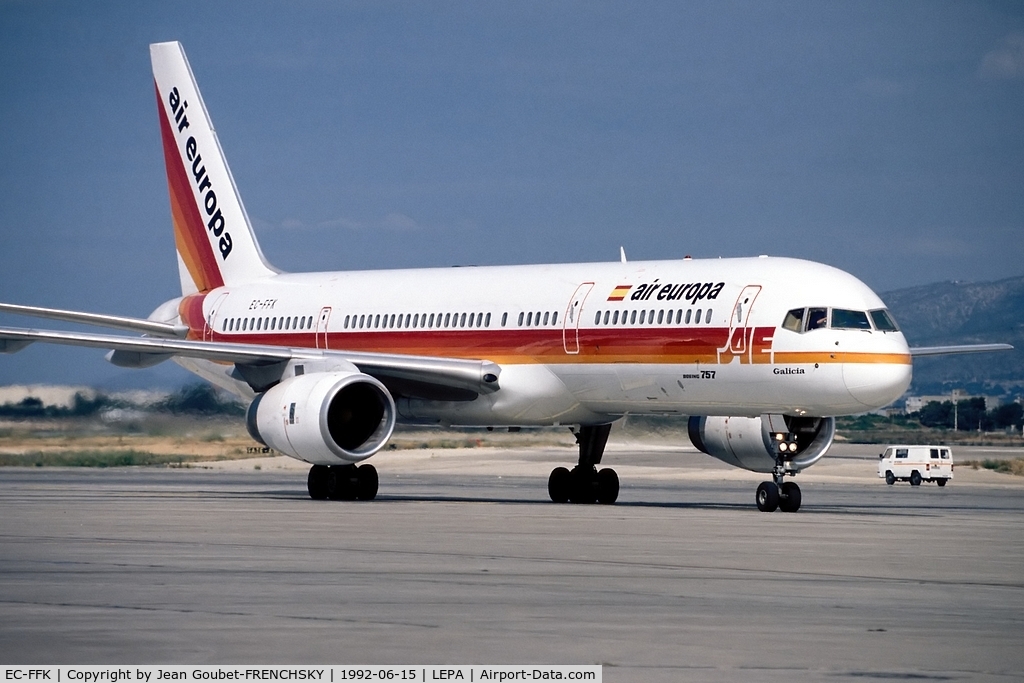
x=964 y=313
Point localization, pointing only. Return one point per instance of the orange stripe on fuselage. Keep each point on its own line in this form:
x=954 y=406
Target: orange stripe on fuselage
x=190 y=236
x=669 y=346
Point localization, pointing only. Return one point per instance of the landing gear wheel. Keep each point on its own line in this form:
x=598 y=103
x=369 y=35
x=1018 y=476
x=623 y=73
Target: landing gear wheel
x=366 y=482
x=316 y=482
x=560 y=485
x=767 y=497
x=583 y=485
x=789 y=500
x=607 y=486
x=941 y=482
x=341 y=482
x=915 y=478
x=890 y=478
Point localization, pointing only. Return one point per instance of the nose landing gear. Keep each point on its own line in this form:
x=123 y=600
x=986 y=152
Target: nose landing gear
x=777 y=494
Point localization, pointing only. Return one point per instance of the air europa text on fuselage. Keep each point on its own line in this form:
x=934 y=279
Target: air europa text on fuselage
x=216 y=223
x=691 y=291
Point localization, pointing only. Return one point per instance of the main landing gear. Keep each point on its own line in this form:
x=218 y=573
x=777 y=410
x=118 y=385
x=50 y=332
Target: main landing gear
x=584 y=483
x=778 y=495
x=342 y=482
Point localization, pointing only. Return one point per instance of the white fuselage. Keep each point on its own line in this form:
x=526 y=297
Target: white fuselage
x=582 y=343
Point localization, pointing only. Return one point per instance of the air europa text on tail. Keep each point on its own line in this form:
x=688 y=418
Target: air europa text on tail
x=216 y=223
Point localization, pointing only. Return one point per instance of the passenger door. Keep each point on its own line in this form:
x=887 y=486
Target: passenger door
x=321 y=327
x=739 y=320
x=571 y=320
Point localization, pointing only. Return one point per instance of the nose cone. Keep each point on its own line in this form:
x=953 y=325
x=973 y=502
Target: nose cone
x=876 y=384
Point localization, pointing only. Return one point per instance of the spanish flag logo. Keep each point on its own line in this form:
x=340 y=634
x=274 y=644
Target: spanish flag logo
x=619 y=293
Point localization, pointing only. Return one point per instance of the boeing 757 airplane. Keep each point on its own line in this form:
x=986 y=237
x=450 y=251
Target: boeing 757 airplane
x=759 y=355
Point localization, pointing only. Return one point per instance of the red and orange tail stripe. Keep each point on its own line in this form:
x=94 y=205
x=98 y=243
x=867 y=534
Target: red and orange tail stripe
x=190 y=236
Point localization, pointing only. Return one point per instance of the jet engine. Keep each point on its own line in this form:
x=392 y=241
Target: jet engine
x=324 y=418
x=754 y=442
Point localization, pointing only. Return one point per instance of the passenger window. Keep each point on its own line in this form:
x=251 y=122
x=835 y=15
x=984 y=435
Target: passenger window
x=547 y=315
x=689 y=312
x=521 y=317
x=632 y=318
x=661 y=316
x=554 y=318
x=696 y=318
x=504 y=318
x=537 y=319
x=901 y=452
x=817 y=318
x=597 y=318
x=707 y=317
x=849 y=320
x=643 y=316
x=462 y=320
x=487 y=320
x=883 y=321
x=793 y=320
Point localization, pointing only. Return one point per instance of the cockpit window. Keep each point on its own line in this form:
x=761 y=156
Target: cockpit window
x=817 y=318
x=793 y=320
x=849 y=320
x=883 y=321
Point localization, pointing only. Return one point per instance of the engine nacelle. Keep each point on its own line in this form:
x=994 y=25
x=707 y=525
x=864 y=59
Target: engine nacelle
x=747 y=441
x=324 y=418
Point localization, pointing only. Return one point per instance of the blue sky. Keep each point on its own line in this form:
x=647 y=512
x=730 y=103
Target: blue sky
x=886 y=139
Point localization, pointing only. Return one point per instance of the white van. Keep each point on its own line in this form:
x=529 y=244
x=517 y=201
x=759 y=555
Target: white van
x=916 y=464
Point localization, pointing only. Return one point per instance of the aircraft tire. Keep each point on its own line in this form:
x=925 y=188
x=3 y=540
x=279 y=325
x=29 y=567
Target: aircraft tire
x=607 y=486
x=789 y=500
x=890 y=478
x=915 y=478
x=340 y=484
x=583 y=486
x=316 y=482
x=767 y=497
x=367 y=482
x=559 y=485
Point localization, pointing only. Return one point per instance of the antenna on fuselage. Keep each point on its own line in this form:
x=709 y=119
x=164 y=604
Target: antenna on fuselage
x=622 y=254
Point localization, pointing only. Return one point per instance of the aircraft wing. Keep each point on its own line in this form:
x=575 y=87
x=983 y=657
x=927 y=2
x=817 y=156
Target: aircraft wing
x=119 y=322
x=417 y=375
x=961 y=348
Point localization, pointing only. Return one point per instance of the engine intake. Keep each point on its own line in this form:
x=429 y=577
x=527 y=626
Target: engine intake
x=747 y=442
x=327 y=418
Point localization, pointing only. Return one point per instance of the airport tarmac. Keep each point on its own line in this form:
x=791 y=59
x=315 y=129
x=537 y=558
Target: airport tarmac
x=462 y=560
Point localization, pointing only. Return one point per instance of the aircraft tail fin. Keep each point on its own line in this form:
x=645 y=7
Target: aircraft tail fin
x=215 y=242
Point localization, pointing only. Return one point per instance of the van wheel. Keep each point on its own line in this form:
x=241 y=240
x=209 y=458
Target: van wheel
x=915 y=478
x=890 y=479
x=940 y=482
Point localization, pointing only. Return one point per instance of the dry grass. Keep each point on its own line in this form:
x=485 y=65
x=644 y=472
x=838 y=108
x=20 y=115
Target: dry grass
x=1013 y=466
